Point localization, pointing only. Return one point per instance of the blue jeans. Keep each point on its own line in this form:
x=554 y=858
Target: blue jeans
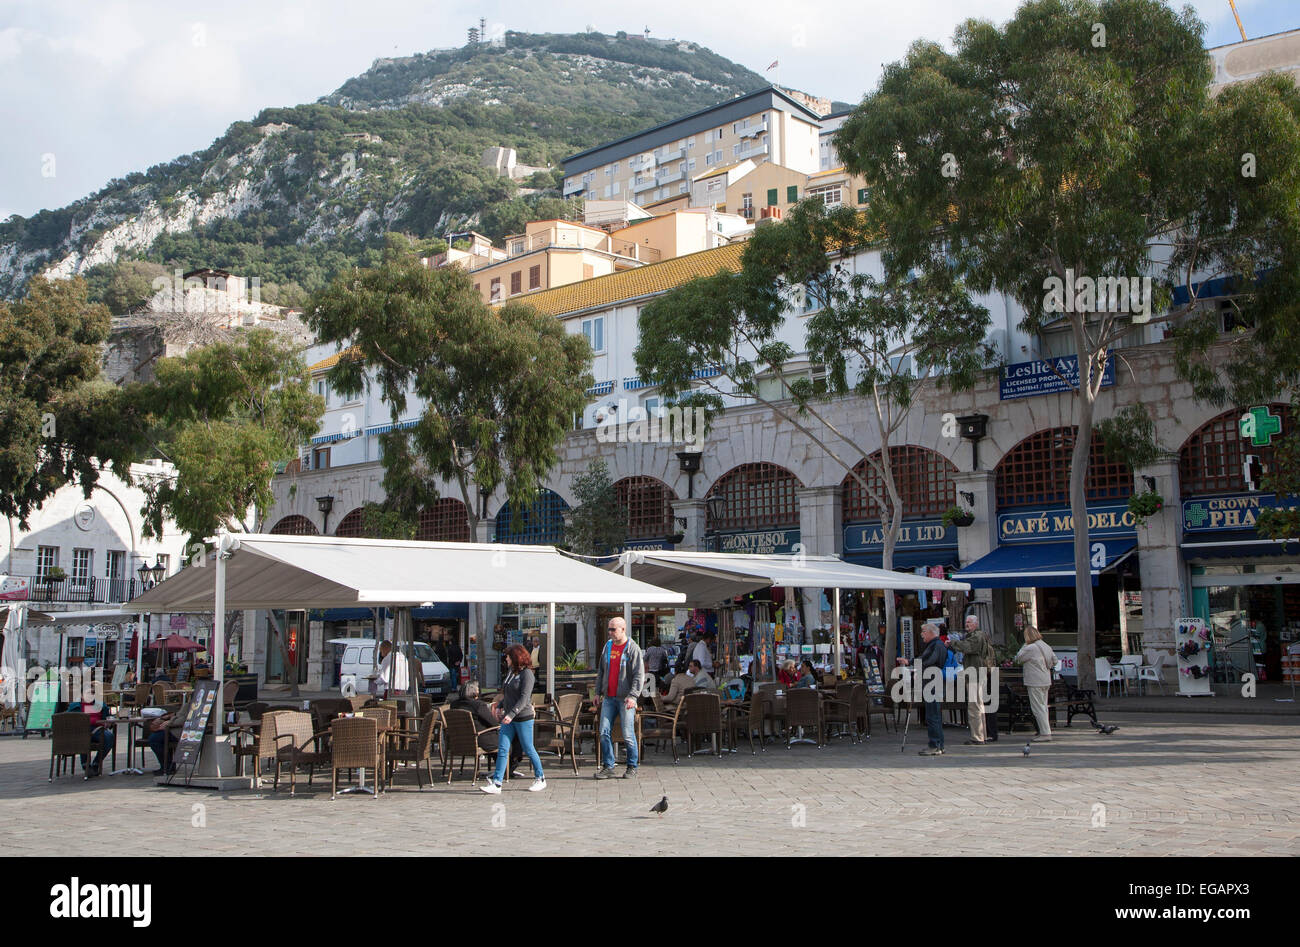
x=611 y=707
x=522 y=731
x=934 y=723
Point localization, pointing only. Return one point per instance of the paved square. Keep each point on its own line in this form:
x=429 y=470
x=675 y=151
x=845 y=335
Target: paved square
x=1170 y=784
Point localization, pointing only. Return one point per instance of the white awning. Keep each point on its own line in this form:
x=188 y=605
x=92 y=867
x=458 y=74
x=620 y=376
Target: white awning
x=327 y=572
x=707 y=578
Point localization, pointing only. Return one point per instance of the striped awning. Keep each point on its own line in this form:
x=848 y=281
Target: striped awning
x=328 y=438
x=601 y=388
x=385 y=428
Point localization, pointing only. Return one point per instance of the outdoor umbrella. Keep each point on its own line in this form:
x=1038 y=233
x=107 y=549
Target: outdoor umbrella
x=176 y=642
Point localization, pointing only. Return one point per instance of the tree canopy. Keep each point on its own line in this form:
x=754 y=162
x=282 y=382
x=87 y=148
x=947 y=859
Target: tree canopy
x=1070 y=155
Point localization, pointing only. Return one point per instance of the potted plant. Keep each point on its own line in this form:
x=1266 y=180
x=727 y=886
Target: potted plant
x=1142 y=505
x=571 y=670
x=958 y=516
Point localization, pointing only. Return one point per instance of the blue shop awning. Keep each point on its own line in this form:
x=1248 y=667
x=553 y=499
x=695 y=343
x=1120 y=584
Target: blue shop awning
x=908 y=559
x=1036 y=565
x=1236 y=544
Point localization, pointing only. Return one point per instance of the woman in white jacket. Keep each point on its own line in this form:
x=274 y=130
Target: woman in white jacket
x=1038 y=660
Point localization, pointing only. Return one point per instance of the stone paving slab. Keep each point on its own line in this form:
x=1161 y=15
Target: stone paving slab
x=1174 y=784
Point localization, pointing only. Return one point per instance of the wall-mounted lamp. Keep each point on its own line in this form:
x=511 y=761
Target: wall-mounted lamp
x=974 y=428
x=1150 y=482
x=688 y=461
x=968 y=497
x=325 y=504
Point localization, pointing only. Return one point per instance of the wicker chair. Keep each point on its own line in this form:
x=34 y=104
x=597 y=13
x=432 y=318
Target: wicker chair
x=413 y=746
x=751 y=717
x=137 y=698
x=262 y=746
x=803 y=709
x=158 y=694
x=354 y=744
x=702 y=716
x=846 y=710
x=70 y=739
x=556 y=732
x=461 y=739
x=293 y=737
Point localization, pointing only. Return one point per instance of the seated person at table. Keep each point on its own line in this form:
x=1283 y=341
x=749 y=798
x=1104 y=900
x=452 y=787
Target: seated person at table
x=484 y=719
x=164 y=734
x=100 y=737
x=694 y=679
x=787 y=674
x=807 y=676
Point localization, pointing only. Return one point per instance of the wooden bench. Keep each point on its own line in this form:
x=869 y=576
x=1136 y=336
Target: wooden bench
x=1060 y=695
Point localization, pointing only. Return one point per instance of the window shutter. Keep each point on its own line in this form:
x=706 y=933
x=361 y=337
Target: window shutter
x=792 y=193
x=771 y=196
x=862 y=195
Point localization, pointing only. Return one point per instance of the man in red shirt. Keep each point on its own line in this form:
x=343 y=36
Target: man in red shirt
x=620 y=681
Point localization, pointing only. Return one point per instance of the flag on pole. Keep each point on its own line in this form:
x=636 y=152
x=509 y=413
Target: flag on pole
x=775 y=63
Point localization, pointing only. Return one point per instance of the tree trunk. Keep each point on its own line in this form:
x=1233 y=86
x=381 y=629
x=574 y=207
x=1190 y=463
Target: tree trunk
x=1087 y=617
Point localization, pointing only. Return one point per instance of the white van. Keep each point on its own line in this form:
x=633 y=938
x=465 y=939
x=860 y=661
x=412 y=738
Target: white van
x=360 y=661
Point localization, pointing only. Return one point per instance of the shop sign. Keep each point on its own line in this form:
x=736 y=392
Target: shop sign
x=660 y=543
x=1036 y=526
x=14 y=588
x=177 y=622
x=1046 y=376
x=761 y=542
x=1259 y=425
x=1235 y=511
x=912 y=534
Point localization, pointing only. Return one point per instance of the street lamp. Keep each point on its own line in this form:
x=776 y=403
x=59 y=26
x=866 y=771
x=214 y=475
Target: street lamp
x=717 y=508
x=688 y=462
x=974 y=428
x=325 y=504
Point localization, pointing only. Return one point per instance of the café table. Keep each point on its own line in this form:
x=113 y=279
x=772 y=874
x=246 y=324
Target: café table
x=131 y=724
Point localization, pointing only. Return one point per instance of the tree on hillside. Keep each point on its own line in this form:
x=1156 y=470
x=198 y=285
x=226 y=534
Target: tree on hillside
x=496 y=388
x=226 y=416
x=1068 y=156
x=61 y=423
x=877 y=338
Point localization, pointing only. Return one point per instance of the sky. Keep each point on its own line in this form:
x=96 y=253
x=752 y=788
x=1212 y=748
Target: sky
x=96 y=90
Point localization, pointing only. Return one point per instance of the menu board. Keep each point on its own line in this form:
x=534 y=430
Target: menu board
x=196 y=721
x=875 y=684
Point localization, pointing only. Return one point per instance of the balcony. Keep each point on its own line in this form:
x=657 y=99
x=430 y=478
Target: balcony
x=674 y=155
x=645 y=186
x=573 y=187
x=668 y=178
x=88 y=591
x=753 y=130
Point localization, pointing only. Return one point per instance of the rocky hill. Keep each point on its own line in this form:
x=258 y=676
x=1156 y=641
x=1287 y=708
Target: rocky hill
x=296 y=194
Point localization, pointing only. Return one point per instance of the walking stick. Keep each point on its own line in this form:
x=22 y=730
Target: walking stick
x=907 y=723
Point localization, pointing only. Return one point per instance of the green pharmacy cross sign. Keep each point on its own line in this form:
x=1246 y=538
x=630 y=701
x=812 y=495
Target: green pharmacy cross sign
x=1260 y=425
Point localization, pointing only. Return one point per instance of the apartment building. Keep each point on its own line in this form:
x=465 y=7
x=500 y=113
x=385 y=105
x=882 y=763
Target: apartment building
x=552 y=253
x=828 y=157
x=660 y=162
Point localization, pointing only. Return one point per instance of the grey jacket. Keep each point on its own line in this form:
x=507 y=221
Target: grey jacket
x=631 y=672
x=516 y=698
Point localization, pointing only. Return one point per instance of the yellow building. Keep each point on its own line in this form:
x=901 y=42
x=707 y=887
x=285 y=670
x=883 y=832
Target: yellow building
x=552 y=253
x=771 y=190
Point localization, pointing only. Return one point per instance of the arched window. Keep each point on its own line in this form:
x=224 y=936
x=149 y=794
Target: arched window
x=1036 y=472
x=350 y=527
x=444 y=522
x=539 y=525
x=649 y=505
x=1213 y=459
x=923 y=477
x=295 y=525
x=758 y=496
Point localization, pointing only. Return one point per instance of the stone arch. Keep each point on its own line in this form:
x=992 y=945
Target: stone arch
x=923 y=476
x=445 y=521
x=351 y=526
x=648 y=503
x=295 y=525
x=1212 y=458
x=541 y=524
x=1036 y=472
x=759 y=496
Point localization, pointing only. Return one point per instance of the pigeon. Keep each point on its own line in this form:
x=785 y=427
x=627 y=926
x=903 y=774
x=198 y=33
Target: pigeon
x=660 y=807
x=1025 y=750
x=1108 y=729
